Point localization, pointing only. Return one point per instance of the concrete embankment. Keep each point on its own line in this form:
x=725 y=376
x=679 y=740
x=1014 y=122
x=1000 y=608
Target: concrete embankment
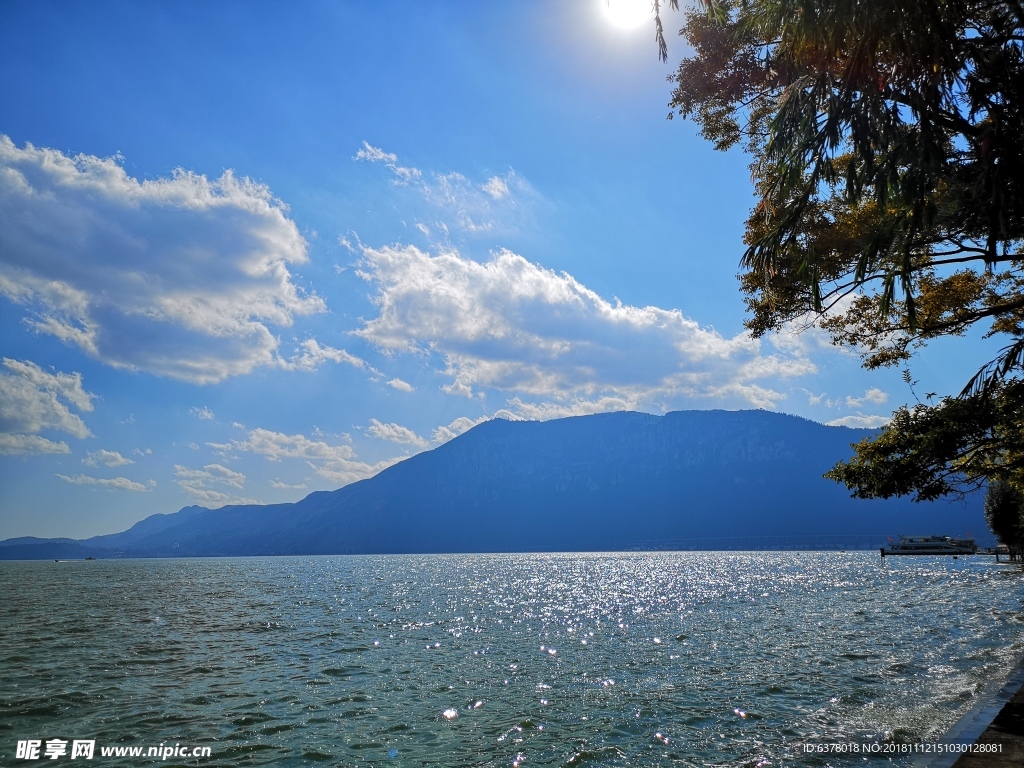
x=998 y=721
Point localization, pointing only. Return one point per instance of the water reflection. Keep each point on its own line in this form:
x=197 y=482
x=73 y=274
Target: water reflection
x=620 y=660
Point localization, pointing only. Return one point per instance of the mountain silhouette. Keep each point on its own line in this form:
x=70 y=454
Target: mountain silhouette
x=609 y=481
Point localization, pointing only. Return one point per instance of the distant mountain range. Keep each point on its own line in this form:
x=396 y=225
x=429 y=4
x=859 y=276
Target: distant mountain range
x=610 y=481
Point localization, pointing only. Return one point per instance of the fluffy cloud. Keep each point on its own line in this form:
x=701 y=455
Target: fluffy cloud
x=203 y=414
x=511 y=325
x=873 y=395
x=464 y=424
x=456 y=428
x=471 y=207
x=313 y=355
x=15 y=445
x=403 y=175
x=400 y=385
x=32 y=400
x=106 y=458
x=860 y=421
x=181 y=276
x=394 y=433
x=206 y=484
x=576 y=407
x=210 y=473
x=337 y=463
x=813 y=399
x=285 y=486
x=496 y=187
x=116 y=483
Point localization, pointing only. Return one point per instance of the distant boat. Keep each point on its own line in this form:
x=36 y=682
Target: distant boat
x=931 y=545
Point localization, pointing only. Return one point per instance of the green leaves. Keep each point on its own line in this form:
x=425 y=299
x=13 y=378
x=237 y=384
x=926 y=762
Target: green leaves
x=1004 y=511
x=953 y=447
x=887 y=149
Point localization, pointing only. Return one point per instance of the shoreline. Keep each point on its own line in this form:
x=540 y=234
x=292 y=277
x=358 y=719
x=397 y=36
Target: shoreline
x=997 y=719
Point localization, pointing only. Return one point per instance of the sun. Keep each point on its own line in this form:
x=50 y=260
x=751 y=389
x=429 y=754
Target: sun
x=627 y=14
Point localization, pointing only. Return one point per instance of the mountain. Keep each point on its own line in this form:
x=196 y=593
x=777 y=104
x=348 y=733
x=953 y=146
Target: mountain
x=603 y=482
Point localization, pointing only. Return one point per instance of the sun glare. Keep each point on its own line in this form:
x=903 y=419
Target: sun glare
x=627 y=14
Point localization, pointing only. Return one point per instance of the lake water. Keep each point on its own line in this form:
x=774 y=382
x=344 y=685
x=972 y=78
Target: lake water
x=692 y=659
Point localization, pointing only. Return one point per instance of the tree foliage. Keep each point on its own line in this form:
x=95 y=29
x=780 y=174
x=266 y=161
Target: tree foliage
x=1004 y=512
x=953 y=447
x=887 y=146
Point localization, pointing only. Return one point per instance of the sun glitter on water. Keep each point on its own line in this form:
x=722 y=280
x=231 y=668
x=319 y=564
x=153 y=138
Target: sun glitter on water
x=627 y=14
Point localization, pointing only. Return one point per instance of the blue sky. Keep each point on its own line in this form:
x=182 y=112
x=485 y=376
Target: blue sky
x=253 y=250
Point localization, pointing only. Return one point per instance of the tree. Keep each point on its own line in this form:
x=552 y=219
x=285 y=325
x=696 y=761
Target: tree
x=1004 y=511
x=887 y=146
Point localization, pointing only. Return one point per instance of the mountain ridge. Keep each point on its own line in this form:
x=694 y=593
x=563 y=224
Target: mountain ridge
x=603 y=481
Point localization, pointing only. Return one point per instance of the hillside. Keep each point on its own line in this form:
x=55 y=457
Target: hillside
x=602 y=482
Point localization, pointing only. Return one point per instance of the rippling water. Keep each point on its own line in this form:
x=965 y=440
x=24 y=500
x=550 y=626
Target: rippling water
x=501 y=660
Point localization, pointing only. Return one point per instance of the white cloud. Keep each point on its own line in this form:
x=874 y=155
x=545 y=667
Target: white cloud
x=116 y=483
x=314 y=355
x=476 y=208
x=803 y=338
x=471 y=207
x=394 y=433
x=403 y=175
x=203 y=414
x=181 y=277
x=514 y=326
x=456 y=428
x=205 y=484
x=464 y=424
x=285 y=486
x=813 y=399
x=32 y=400
x=577 y=407
x=496 y=187
x=401 y=386
x=222 y=449
x=211 y=473
x=804 y=335
x=459 y=388
x=337 y=463
x=15 y=445
x=860 y=421
x=873 y=395
x=107 y=458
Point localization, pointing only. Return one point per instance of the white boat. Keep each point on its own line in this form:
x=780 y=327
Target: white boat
x=931 y=545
